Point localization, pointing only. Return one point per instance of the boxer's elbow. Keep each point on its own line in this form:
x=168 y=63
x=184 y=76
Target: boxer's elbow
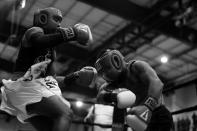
x=159 y=84
x=159 y=87
x=156 y=88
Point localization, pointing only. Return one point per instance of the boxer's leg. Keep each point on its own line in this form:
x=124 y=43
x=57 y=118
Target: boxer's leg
x=54 y=108
x=41 y=123
x=161 y=120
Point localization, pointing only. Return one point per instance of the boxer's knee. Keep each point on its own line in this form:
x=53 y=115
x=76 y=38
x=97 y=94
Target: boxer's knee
x=63 y=121
x=67 y=114
x=52 y=107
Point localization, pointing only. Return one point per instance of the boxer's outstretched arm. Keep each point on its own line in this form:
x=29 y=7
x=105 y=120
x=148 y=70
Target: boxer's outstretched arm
x=84 y=77
x=38 y=38
x=46 y=40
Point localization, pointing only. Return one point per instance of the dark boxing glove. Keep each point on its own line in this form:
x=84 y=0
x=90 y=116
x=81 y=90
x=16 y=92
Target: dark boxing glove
x=80 y=32
x=71 y=78
x=85 y=77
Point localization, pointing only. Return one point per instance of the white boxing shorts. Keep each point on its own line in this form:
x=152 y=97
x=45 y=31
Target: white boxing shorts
x=17 y=94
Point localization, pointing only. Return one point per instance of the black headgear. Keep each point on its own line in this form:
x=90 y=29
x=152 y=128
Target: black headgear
x=45 y=17
x=110 y=64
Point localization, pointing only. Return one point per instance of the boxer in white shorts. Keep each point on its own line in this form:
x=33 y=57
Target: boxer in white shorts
x=16 y=95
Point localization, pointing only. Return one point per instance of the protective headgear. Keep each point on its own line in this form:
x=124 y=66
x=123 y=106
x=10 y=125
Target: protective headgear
x=48 y=18
x=110 y=65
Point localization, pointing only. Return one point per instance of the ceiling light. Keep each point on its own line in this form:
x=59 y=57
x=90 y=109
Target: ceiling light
x=79 y=103
x=164 y=59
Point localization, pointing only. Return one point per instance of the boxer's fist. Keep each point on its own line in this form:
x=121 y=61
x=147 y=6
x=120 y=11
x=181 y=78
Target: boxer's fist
x=122 y=98
x=83 y=33
x=138 y=117
x=80 y=33
x=85 y=77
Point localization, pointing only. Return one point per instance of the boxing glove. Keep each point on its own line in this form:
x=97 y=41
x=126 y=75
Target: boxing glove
x=121 y=97
x=80 y=32
x=138 y=117
x=85 y=77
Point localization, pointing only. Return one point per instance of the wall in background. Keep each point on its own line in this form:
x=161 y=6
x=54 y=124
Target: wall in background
x=180 y=99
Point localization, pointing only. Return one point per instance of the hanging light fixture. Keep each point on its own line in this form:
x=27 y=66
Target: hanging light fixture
x=164 y=59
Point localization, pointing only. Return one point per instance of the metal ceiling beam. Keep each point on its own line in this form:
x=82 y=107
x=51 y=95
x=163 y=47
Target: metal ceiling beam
x=170 y=86
x=177 y=55
x=137 y=14
x=122 y=8
x=142 y=15
x=185 y=34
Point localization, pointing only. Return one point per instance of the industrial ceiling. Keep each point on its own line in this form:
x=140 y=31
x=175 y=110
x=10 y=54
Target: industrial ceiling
x=140 y=29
